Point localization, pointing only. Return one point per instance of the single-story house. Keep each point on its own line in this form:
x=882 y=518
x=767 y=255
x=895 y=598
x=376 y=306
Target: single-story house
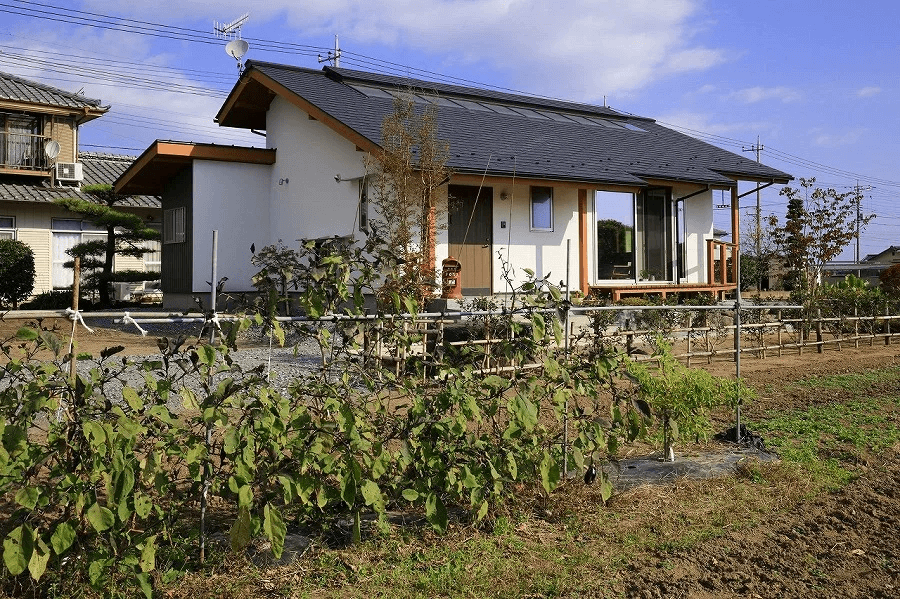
x=531 y=177
x=40 y=162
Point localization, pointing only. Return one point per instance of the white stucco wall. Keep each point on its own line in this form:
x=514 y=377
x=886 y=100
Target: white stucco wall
x=698 y=219
x=544 y=252
x=307 y=202
x=237 y=197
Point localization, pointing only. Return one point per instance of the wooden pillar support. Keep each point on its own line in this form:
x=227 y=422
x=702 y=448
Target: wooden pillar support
x=583 y=242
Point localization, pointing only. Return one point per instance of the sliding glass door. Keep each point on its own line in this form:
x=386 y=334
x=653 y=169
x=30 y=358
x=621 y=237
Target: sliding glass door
x=635 y=236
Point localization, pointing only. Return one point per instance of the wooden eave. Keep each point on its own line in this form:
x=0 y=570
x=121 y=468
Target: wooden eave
x=248 y=102
x=81 y=115
x=150 y=172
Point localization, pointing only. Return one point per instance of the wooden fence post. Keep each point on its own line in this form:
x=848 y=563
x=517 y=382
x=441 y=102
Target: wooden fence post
x=887 y=324
x=820 y=347
x=780 y=326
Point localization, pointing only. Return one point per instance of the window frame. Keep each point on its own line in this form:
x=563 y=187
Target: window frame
x=173 y=219
x=10 y=229
x=533 y=204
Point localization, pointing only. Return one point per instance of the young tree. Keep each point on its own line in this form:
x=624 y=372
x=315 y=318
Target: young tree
x=405 y=177
x=816 y=231
x=125 y=234
x=16 y=272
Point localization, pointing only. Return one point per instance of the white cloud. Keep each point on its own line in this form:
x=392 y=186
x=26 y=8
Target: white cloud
x=580 y=50
x=705 y=123
x=751 y=95
x=868 y=92
x=830 y=139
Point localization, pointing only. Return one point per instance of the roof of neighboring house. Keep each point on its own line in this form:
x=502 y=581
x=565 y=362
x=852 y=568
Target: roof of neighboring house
x=98 y=169
x=874 y=257
x=18 y=90
x=493 y=132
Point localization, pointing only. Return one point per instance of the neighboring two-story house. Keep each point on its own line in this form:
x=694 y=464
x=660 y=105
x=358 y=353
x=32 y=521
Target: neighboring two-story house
x=40 y=162
x=632 y=200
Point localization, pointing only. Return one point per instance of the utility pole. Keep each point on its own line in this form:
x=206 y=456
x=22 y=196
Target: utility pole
x=333 y=57
x=858 y=199
x=758 y=233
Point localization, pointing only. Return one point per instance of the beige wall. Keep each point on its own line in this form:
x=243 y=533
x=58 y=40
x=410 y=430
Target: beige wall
x=33 y=222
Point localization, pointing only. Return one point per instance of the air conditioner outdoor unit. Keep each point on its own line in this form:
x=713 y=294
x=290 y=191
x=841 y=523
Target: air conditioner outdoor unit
x=69 y=171
x=122 y=291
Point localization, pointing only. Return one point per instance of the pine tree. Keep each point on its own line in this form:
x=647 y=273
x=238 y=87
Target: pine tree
x=125 y=236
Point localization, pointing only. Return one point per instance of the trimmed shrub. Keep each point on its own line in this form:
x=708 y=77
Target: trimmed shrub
x=890 y=280
x=16 y=272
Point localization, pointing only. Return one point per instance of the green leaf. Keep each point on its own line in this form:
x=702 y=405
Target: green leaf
x=410 y=494
x=275 y=529
x=435 y=512
x=95 y=571
x=240 y=534
x=143 y=505
x=189 y=399
x=606 y=489
x=482 y=511
x=100 y=517
x=28 y=497
x=538 y=327
x=143 y=579
x=372 y=495
x=348 y=488
x=62 y=538
x=549 y=473
x=131 y=397
x=512 y=466
x=17 y=549
x=26 y=334
x=207 y=354
x=37 y=565
x=245 y=497
x=148 y=555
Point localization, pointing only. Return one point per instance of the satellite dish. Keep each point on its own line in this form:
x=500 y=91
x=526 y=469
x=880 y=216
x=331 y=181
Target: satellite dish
x=51 y=149
x=237 y=48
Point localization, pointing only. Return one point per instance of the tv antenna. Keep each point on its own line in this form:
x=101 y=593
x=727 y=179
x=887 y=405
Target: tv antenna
x=335 y=56
x=236 y=47
x=232 y=30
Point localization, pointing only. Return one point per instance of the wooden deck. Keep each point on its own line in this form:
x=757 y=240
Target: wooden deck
x=617 y=292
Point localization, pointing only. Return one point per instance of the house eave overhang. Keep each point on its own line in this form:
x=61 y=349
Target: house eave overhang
x=150 y=172
x=249 y=100
x=81 y=115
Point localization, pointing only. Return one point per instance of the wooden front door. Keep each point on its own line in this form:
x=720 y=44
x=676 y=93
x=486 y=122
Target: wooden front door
x=469 y=231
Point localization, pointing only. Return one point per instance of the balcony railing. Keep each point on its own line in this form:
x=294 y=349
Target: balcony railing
x=721 y=262
x=23 y=151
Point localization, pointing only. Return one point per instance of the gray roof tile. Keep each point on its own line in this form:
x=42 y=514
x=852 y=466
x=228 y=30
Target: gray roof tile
x=22 y=90
x=98 y=169
x=504 y=144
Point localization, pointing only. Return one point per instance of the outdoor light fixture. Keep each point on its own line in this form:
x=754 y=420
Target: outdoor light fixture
x=504 y=195
x=284 y=181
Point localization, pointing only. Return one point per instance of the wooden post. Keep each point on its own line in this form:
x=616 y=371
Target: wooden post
x=887 y=324
x=820 y=347
x=856 y=327
x=76 y=291
x=690 y=327
x=780 y=326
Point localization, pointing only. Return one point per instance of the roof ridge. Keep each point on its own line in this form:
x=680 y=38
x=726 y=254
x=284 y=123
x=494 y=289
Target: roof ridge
x=45 y=87
x=107 y=157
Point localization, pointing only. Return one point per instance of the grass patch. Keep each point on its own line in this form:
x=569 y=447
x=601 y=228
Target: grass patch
x=829 y=440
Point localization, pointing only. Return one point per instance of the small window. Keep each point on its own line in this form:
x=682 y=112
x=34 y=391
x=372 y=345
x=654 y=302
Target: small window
x=173 y=225
x=541 y=208
x=7 y=227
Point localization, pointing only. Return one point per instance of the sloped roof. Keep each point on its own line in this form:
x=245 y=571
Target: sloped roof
x=496 y=133
x=20 y=90
x=98 y=169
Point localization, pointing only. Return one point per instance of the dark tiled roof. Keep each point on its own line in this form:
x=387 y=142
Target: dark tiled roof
x=507 y=144
x=23 y=90
x=98 y=169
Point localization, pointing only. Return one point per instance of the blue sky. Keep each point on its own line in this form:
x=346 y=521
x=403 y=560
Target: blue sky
x=817 y=82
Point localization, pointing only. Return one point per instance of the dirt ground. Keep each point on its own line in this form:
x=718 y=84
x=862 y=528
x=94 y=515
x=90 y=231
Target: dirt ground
x=837 y=545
